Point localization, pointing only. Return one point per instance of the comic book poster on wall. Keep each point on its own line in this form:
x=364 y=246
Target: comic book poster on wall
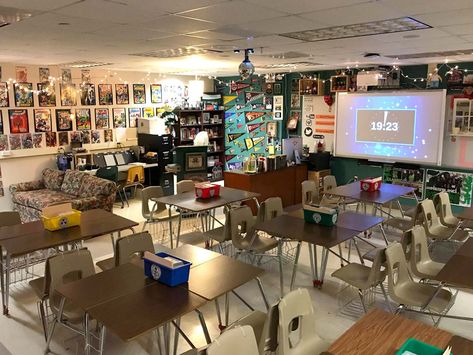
x=406 y=177
x=457 y=184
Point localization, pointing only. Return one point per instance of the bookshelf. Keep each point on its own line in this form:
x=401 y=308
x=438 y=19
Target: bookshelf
x=191 y=122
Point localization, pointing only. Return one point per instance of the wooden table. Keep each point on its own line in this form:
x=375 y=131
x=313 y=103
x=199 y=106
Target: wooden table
x=466 y=214
x=292 y=226
x=382 y=333
x=30 y=237
x=457 y=270
x=124 y=301
x=187 y=202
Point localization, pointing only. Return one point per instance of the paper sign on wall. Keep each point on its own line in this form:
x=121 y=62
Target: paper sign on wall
x=278 y=106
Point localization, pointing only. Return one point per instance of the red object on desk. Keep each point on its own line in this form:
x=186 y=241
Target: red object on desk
x=207 y=190
x=370 y=184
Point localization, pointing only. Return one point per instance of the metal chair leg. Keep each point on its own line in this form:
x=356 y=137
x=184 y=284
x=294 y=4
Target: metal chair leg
x=44 y=321
x=362 y=299
x=53 y=326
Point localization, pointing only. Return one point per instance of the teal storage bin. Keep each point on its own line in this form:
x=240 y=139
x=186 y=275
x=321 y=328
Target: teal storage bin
x=325 y=219
x=419 y=348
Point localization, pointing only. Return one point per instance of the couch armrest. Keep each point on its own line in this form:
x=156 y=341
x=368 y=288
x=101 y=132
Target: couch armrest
x=86 y=203
x=27 y=186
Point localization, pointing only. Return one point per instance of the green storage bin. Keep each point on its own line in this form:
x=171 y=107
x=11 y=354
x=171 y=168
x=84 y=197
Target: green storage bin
x=325 y=219
x=419 y=348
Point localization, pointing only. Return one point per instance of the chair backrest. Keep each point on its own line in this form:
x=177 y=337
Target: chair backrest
x=108 y=173
x=398 y=273
x=377 y=274
x=136 y=174
x=329 y=183
x=419 y=251
x=297 y=333
x=270 y=208
x=146 y=194
x=67 y=267
x=241 y=226
x=429 y=214
x=185 y=186
x=133 y=244
x=9 y=218
x=238 y=340
x=310 y=192
x=443 y=206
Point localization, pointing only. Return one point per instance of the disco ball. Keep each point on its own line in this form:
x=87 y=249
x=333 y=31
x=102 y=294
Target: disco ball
x=246 y=69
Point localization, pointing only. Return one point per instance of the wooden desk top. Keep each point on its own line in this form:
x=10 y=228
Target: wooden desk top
x=219 y=276
x=379 y=197
x=291 y=227
x=187 y=201
x=466 y=214
x=191 y=253
x=387 y=192
x=457 y=271
x=105 y=286
x=29 y=237
x=145 y=309
x=466 y=249
x=382 y=333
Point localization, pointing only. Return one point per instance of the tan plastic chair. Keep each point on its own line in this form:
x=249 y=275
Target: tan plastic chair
x=444 y=210
x=41 y=287
x=363 y=277
x=270 y=208
x=160 y=212
x=9 y=218
x=64 y=268
x=330 y=183
x=310 y=192
x=185 y=186
x=434 y=228
x=408 y=294
x=239 y=340
x=421 y=264
x=296 y=332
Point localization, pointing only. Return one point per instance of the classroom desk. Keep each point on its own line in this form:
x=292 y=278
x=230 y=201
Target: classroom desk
x=382 y=333
x=188 y=202
x=466 y=214
x=26 y=238
x=457 y=269
x=292 y=226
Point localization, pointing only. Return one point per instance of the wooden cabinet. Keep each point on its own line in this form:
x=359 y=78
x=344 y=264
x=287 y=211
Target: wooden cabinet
x=285 y=183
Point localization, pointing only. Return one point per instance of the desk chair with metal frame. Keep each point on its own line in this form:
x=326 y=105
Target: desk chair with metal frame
x=135 y=178
x=443 y=207
x=111 y=173
x=329 y=183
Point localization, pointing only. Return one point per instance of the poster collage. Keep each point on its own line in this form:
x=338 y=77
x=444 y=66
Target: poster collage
x=429 y=182
x=56 y=123
x=250 y=126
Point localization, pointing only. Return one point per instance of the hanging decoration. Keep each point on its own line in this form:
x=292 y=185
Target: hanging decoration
x=246 y=68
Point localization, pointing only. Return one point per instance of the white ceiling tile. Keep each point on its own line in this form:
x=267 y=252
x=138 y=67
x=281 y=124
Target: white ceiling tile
x=282 y=24
x=303 y=6
x=176 y=42
x=174 y=6
x=416 y=7
x=234 y=12
x=37 y=5
x=447 y=18
x=179 y=24
x=215 y=35
x=263 y=41
x=465 y=29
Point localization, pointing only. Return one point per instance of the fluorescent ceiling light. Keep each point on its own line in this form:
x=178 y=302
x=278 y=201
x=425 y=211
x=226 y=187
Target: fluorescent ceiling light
x=176 y=52
x=442 y=54
x=84 y=64
x=401 y=24
x=195 y=65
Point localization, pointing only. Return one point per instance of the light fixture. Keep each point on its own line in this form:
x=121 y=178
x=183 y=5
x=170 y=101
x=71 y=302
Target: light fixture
x=246 y=68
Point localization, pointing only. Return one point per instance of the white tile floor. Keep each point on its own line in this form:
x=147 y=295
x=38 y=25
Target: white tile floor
x=21 y=332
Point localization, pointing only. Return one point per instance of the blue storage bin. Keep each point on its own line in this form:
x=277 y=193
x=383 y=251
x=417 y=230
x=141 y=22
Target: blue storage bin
x=171 y=277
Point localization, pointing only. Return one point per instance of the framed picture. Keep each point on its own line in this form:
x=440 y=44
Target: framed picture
x=133 y=114
x=38 y=140
x=195 y=161
x=108 y=135
x=18 y=121
x=1 y=123
x=295 y=101
x=139 y=94
x=4 y=101
x=156 y=93
x=68 y=94
x=43 y=75
x=66 y=75
x=87 y=94
x=83 y=119
x=105 y=94
x=148 y=112
x=122 y=95
x=15 y=141
x=63 y=138
x=102 y=118
x=277 y=89
x=46 y=94
x=63 y=120
x=51 y=139
x=272 y=129
x=42 y=120
x=119 y=118
x=293 y=121
x=23 y=94
x=95 y=136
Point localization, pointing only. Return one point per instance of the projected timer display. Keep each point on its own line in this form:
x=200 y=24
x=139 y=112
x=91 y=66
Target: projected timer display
x=395 y=126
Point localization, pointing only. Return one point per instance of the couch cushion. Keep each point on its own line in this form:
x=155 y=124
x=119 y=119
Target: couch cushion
x=39 y=199
x=93 y=186
x=53 y=178
x=72 y=181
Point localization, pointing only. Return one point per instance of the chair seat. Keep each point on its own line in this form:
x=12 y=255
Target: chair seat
x=161 y=215
x=429 y=268
x=403 y=224
x=354 y=274
x=451 y=221
x=259 y=244
x=255 y=319
x=419 y=294
x=411 y=212
x=38 y=287
x=106 y=264
x=216 y=234
x=442 y=233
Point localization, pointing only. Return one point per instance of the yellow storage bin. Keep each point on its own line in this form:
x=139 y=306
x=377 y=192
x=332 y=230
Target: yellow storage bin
x=61 y=221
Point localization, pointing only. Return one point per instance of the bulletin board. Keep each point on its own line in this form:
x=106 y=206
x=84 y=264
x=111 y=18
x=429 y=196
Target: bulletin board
x=318 y=122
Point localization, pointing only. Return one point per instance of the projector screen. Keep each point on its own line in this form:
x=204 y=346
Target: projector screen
x=401 y=126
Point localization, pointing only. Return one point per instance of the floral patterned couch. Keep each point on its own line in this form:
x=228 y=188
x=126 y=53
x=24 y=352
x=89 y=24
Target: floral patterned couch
x=84 y=191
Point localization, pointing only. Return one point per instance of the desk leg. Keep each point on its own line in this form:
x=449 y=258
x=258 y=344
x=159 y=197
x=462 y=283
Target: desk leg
x=177 y=324
x=170 y=227
x=6 y=289
x=227 y=309
x=2 y=278
x=86 y=333
x=358 y=251
x=181 y=332
x=323 y=265
x=296 y=261
x=204 y=326
x=102 y=339
x=281 y=276
x=178 y=229
x=265 y=300
x=202 y=224
x=219 y=315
